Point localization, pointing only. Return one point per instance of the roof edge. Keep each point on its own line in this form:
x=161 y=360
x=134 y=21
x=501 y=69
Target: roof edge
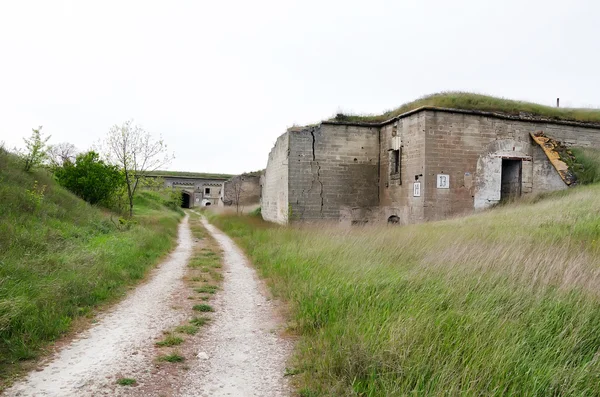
x=523 y=117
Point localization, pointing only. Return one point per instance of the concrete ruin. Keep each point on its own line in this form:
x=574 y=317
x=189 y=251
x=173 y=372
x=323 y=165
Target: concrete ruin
x=243 y=190
x=196 y=191
x=424 y=165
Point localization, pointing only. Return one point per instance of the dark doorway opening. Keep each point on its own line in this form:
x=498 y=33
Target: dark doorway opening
x=393 y=220
x=510 y=188
x=185 y=200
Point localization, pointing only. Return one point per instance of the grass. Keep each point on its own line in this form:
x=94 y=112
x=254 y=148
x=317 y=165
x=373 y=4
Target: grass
x=187 y=329
x=184 y=174
x=505 y=302
x=171 y=358
x=204 y=308
x=61 y=258
x=587 y=168
x=199 y=321
x=470 y=101
x=170 y=340
x=207 y=289
x=126 y=381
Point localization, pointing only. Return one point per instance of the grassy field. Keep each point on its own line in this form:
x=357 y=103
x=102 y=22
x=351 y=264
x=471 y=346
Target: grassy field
x=60 y=258
x=506 y=302
x=469 y=101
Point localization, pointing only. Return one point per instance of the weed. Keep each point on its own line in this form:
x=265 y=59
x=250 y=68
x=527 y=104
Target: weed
x=207 y=289
x=199 y=321
x=170 y=340
x=126 y=381
x=171 y=358
x=203 y=308
x=187 y=329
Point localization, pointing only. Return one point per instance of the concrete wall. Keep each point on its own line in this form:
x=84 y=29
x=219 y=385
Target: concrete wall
x=333 y=170
x=274 y=201
x=243 y=188
x=396 y=191
x=470 y=148
x=344 y=171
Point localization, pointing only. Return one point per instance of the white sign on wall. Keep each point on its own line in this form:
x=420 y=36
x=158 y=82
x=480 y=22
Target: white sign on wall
x=443 y=181
x=417 y=189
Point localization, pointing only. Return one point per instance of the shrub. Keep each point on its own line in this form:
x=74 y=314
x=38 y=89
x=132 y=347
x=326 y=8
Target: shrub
x=91 y=178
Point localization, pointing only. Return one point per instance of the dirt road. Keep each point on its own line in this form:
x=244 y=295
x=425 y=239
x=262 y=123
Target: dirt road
x=239 y=354
x=243 y=352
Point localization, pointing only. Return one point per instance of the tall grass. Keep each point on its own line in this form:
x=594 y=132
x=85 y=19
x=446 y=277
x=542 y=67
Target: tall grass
x=470 y=101
x=587 y=168
x=61 y=257
x=502 y=303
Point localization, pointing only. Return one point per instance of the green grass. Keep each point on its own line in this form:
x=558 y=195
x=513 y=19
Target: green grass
x=203 y=307
x=170 y=340
x=207 y=289
x=171 y=358
x=587 y=168
x=199 y=321
x=60 y=258
x=187 y=329
x=506 y=302
x=126 y=381
x=470 y=101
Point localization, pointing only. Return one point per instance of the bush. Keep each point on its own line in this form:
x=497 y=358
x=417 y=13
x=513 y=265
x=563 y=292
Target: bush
x=257 y=212
x=91 y=178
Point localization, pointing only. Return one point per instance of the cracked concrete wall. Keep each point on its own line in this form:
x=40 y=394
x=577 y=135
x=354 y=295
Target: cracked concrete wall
x=275 y=188
x=333 y=168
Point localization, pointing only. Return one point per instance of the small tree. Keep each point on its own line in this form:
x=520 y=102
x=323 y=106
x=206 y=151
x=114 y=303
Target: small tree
x=36 y=150
x=136 y=153
x=237 y=189
x=61 y=153
x=91 y=178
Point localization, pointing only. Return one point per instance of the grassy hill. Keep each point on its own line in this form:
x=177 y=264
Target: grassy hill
x=184 y=174
x=505 y=302
x=469 y=101
x=60 y=258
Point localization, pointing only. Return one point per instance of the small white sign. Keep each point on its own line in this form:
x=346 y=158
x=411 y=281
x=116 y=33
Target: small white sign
x=417 y=189
x=443 y=181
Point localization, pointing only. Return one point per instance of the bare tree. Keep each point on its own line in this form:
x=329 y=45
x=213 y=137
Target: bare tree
x=237 y=188
x=137 y=153
x=61 y=153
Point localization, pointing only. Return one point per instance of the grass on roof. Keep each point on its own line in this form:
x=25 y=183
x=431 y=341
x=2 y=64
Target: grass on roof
x=192 y=174
x=469 y=101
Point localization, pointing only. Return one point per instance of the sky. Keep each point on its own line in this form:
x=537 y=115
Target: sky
x=221 y=80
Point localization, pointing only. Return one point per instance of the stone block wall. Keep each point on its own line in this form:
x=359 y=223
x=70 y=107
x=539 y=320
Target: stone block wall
x=242 y=189
x=274 y=201
x=333 y=168
x=396 y=191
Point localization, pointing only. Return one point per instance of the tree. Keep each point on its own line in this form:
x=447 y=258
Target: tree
x=36 y=150
x=237 y=190
x=61 y=153
x=91 y=178
x=136 y=153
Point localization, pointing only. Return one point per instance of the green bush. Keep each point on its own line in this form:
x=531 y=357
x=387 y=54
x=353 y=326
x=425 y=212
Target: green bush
x=91 y=178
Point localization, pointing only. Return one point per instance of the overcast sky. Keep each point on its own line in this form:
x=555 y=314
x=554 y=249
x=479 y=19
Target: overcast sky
x=221 y=80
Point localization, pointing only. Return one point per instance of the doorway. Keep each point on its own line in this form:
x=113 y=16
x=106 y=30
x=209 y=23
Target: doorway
x=185 y=200
x=510 y=187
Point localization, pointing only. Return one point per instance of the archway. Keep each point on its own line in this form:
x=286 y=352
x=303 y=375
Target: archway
x=393 y=220
x=186 y=200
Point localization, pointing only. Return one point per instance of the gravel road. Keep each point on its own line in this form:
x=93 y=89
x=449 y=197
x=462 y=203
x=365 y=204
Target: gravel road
x=123 y=339
x=241 y=352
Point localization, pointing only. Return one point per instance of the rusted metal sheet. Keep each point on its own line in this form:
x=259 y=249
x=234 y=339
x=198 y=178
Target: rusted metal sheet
x=552 y=148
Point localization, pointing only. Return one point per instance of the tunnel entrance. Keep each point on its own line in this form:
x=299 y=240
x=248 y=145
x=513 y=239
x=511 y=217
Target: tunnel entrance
x=185 y=200
x=510 y=187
